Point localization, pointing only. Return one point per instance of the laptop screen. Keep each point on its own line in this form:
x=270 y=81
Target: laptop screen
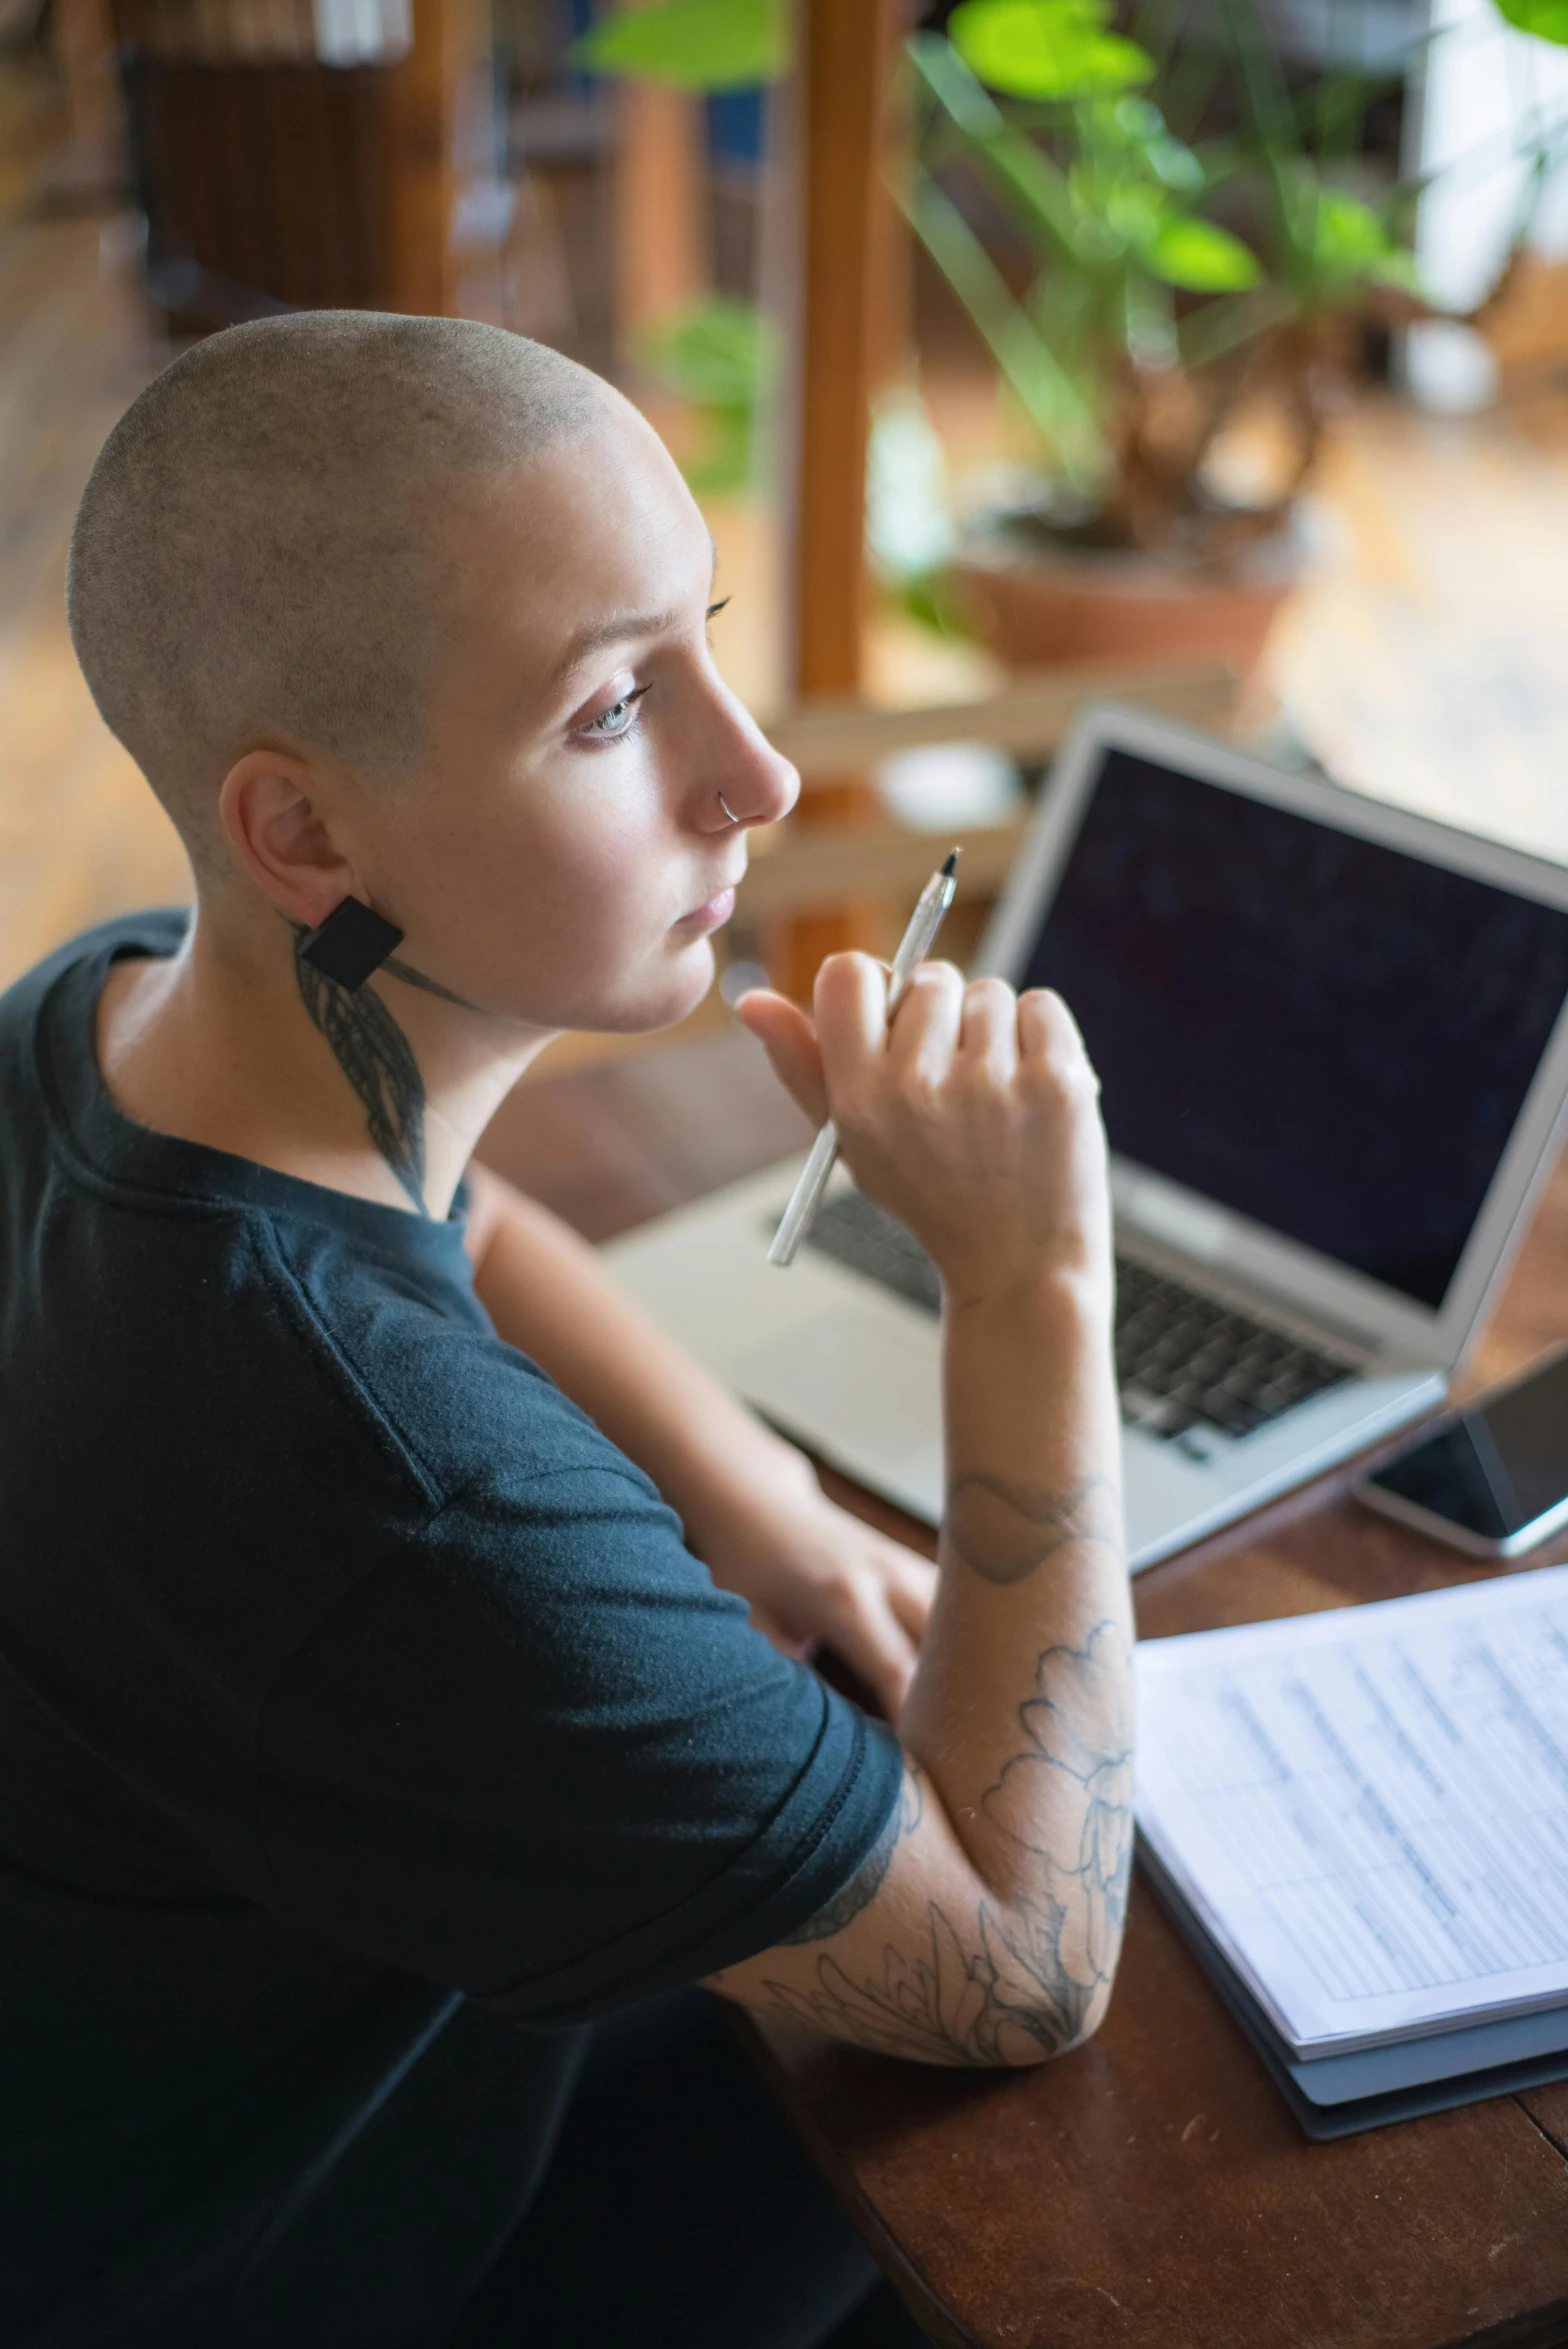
x=1329 y=1036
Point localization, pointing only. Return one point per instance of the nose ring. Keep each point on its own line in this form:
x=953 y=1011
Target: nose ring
x=728 y=810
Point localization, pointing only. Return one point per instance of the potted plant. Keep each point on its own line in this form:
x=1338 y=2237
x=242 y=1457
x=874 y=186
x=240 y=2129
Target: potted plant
x=1194 y=247
x=1171 y=287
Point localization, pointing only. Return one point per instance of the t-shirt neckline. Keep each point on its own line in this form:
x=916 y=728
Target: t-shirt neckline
x=124 y=1156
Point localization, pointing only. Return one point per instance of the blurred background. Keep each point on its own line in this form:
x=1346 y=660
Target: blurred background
x=1213 y=353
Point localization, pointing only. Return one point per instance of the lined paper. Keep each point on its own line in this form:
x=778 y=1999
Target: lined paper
x=1369 y=1809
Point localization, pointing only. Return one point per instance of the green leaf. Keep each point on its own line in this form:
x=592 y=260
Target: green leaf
x=692 y=44
x=717 y=354
x=722 y=468
x=1141 y=126
x=1346 y=231
x=1134 y=211
x=1349 y=243
x=1548 y=18
x=954 y=88
x=1037 y=192
x=1201 y=258
x=929 y=597
x=1046 y=49
x=1062 y=409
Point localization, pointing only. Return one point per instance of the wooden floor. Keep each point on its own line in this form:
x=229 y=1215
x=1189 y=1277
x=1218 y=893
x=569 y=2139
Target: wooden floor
x=1425 y=658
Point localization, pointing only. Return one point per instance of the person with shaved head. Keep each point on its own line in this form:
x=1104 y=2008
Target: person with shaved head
x=409 y=1727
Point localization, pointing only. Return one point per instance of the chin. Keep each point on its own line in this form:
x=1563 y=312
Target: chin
x=670 y=998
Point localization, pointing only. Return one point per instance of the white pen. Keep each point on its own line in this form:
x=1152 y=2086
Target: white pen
x=913 y=947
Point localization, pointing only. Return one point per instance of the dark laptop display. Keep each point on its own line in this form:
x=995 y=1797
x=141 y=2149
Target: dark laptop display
x=1326 y=1035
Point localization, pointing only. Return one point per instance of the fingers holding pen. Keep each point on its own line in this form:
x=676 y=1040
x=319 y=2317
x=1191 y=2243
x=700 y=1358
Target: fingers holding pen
x=849 y=1006
x=979 y=1032
x=942 y=1027
x=1052 y=1052
x=866 y=1046
x=988 y=1043
x=847 y=1030
x=923 y=1036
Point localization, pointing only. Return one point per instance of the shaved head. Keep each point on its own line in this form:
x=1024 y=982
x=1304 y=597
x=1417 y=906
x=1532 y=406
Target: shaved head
x=260 y=559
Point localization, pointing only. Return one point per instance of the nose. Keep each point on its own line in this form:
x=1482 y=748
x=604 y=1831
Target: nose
x=740 y=780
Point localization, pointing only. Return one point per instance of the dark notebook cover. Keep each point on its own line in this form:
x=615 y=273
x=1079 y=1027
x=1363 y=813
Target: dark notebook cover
x=1345 y=2118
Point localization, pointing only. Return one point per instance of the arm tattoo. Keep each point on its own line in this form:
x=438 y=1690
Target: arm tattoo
x=866 y=1882
x=374 y=1054
x=1004 y=1530
x=1019 y=1984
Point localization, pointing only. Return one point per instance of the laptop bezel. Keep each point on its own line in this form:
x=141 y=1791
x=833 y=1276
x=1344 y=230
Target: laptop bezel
x=1233 y=1246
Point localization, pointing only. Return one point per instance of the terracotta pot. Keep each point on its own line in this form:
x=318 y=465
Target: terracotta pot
x=1065 y=609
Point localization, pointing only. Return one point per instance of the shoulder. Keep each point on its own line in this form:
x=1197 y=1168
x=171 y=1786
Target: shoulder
x=158 y=931
x=489 y=1429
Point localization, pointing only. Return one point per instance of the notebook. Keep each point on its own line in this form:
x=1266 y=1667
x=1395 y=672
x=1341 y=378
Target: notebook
x=1340 y=2095
x=1361 y=1820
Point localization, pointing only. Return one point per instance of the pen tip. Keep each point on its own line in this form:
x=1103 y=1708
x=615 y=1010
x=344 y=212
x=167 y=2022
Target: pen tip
x=950 y=864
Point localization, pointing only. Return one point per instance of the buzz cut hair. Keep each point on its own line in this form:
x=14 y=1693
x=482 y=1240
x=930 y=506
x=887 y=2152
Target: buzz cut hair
x=258 y=561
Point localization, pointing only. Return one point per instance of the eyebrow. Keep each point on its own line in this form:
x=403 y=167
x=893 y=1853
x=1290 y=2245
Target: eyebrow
x=619 y=628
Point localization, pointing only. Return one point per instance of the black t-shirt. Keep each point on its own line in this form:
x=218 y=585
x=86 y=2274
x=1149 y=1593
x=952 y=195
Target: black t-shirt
x=365 y=1728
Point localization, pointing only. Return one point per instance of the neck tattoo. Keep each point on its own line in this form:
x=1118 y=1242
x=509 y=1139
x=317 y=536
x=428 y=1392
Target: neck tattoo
x=396 y=968
x=374 y=1054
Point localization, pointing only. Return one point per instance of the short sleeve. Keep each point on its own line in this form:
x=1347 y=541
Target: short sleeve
x=537 y=1755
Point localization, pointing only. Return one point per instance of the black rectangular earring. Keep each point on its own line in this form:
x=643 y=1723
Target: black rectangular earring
x=350 y=944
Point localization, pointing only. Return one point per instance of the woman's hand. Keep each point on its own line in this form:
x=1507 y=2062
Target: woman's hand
x=814 y=1575
x=974 y=1117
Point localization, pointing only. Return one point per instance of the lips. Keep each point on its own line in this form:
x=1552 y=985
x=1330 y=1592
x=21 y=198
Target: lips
x=712 y=914
x=714 y=911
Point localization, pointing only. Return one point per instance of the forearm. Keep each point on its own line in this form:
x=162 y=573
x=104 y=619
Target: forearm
x=985 y=1927
x=548 y=1294
x=1021 y=1710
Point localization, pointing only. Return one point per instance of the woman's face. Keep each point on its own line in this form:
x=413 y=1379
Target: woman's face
x=564 y=859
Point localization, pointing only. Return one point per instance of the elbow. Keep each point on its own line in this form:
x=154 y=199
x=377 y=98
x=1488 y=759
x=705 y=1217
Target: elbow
x=1089 y=2022
x=1049 y=2013
x=1045 y=2035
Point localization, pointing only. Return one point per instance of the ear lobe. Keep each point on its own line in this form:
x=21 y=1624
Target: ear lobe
x=270 y=810
x=352 y=942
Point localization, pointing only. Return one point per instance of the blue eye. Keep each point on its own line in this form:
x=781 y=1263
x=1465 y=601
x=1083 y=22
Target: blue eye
x=618 y=720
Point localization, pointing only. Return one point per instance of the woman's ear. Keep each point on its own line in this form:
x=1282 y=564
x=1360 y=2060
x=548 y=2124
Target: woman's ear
x=271 y=809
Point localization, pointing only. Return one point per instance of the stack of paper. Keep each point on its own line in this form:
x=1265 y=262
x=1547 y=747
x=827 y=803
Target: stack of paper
x=1361 y=1820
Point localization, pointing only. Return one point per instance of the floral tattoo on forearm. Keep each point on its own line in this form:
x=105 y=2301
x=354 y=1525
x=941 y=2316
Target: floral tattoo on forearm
x=1026 y=1981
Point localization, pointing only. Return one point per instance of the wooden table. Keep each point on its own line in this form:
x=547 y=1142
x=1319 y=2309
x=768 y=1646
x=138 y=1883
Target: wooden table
x=1151 y=2191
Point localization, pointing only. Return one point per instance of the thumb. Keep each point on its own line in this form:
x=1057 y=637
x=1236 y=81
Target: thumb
x=790 y=1042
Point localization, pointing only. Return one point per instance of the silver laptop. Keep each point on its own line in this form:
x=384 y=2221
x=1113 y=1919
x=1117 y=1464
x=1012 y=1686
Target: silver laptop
x=1332 y=1043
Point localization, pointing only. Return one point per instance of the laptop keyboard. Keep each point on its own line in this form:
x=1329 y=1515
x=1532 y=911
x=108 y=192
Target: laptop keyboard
x=855 y=1231
x=1183 y=1360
